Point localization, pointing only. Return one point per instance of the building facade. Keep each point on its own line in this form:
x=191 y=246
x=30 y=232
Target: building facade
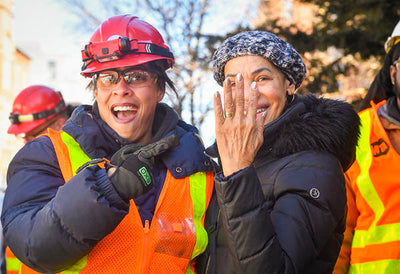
x=14 y=75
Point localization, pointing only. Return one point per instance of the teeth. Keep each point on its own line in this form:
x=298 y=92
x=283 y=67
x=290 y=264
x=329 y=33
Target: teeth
x=258 y=110
x=124 y=108
x=261 y=110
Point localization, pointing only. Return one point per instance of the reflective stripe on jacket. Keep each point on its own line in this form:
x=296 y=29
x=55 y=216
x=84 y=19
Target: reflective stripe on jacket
x=375 y=182
x=175 y=237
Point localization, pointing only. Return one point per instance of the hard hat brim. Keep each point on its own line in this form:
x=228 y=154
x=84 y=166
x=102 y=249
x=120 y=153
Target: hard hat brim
x=26 y=127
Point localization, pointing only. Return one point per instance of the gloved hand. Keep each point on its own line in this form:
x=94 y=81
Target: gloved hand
x=132 y=177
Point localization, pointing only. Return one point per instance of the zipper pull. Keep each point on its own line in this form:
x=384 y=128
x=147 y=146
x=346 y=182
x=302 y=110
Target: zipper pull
x=146 y=226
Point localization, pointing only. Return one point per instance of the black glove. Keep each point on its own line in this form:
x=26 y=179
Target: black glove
x=133 y=178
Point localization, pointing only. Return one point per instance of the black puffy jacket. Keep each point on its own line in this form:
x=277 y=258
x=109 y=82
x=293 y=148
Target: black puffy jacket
x=286 y=212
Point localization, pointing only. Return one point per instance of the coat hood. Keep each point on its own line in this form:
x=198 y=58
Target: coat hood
x=312 y=123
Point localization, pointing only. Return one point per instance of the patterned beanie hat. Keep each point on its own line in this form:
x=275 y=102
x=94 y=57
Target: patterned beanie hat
x=264 y=44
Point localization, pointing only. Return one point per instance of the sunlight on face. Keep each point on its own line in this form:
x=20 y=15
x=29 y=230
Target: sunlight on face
x=272 y=84
x=129 y=109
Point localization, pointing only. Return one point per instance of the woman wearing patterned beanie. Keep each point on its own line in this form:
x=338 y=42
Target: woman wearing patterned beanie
x=280 y=197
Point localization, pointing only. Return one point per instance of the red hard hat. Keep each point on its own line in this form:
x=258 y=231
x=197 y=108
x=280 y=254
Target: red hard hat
x=123 y=41
x=32 y=107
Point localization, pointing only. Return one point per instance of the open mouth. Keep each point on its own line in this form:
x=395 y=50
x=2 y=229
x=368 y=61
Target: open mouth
x=125 y=112
x=262 y=111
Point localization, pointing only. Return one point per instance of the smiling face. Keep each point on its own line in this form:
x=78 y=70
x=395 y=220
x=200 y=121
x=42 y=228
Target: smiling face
x=271 y=82
x=128 y=105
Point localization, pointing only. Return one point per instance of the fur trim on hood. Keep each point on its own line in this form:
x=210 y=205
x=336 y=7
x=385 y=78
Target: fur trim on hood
x=312 y=123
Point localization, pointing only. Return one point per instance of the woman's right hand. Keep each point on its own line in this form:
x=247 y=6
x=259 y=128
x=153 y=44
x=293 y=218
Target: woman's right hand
x=239 y=133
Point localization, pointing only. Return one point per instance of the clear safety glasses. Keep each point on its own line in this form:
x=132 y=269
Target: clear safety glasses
x=135 y=78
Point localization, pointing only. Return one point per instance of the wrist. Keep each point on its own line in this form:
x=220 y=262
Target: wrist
x=231 y=168
x=110 y=171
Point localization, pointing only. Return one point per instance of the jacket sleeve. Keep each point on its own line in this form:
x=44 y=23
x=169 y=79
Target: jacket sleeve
x=281 y=230
x=343 y=262
x=50 y=224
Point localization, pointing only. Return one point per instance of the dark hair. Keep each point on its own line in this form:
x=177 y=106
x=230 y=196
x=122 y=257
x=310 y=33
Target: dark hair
x=382 y=87
x=157 y=68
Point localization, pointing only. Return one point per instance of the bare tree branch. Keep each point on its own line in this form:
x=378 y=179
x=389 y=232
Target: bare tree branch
x=181 y=23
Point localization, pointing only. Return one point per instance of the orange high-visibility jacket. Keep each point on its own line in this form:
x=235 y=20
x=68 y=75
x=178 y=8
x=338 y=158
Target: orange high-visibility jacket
x=372 y=237
x=176 y=235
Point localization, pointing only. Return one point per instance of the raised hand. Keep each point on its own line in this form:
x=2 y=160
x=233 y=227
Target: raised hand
x=239 y=132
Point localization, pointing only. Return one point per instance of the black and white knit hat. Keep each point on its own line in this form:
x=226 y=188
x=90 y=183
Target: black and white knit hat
x=264 y=44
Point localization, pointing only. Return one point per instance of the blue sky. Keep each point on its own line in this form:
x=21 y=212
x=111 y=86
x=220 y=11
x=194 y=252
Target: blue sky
x=41 y=32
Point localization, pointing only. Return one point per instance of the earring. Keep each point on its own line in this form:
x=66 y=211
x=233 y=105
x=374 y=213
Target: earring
x=290 y=98
x=293 y=95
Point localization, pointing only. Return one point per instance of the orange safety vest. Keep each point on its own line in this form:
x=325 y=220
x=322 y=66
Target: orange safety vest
x=13 y=265
x=375 y=181
x=172 y=242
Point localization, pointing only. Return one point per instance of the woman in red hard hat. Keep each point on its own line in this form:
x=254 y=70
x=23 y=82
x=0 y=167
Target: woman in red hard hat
x=125 y=186
x=34 y=110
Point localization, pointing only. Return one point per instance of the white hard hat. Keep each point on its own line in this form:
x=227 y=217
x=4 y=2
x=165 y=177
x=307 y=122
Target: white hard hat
x=393 y=39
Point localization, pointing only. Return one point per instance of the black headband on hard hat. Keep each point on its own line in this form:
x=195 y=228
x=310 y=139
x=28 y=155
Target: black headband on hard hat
x=116 y=48
x=16 y=118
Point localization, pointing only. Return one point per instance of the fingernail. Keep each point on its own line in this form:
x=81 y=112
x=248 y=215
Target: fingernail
x=254 y=85
x=216 y=94
x=239 y=77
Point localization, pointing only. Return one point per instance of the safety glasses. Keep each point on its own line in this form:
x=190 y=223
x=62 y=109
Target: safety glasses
x=135 y=78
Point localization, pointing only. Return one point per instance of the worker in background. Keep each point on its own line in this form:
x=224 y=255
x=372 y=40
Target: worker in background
x=35 y=109
x=372 y=238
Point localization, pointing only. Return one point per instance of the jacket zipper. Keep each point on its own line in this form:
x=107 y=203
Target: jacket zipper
x=145 y=245
x=146 y=228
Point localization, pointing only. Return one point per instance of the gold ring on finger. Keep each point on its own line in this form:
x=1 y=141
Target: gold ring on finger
x=228 y=114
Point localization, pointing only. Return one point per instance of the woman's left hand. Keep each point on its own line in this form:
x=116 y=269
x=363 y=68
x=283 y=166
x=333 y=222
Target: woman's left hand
x=239 y=132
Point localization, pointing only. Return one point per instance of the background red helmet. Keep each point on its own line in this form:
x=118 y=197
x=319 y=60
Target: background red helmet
x=123 y=41
x=32 y=107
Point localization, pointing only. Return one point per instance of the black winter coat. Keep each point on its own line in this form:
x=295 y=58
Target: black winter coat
x=286 y=212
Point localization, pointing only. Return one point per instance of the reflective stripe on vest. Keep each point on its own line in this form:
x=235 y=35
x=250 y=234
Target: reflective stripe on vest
x=176 y=235
x=383 y=266
x=13 y=265
x=68 y=171
x=375 y=250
